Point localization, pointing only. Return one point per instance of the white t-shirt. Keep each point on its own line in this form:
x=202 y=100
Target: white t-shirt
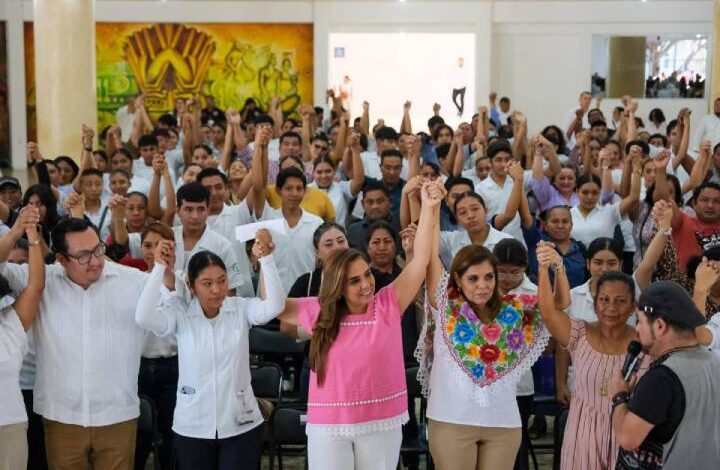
x=125 y=119
x=224 y=224
x=496 y=198
x=294 y=249
x=452 y=242
x=340 y=194
x=600 y=222
x=13 y=346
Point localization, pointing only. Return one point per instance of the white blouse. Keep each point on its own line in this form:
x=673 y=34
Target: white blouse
x=215 y=397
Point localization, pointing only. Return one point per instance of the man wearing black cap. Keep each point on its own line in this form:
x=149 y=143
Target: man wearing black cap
x=10 y=198
x=671 y=420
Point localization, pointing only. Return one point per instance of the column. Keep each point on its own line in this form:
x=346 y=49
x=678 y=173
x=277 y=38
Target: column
x=64 y=73
x=714 y=91
x=626 y=71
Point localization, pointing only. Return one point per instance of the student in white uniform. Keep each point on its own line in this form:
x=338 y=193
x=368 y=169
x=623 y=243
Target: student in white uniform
x=224 y=218
x=16 y=316
x=217 y=421
x=194 y=234
x=295 y=246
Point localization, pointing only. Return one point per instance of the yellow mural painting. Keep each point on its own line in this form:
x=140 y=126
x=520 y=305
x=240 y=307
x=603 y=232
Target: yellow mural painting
x=231 y=62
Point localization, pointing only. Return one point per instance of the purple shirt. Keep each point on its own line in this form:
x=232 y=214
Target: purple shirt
x=548 y=196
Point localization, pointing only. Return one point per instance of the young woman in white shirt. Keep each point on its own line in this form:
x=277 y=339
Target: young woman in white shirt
x=16 y=317
x=217 y=420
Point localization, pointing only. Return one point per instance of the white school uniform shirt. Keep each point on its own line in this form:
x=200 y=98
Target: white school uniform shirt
x=137 y=183
x=175 y=160
x=102 y=223
x=709 y=129
x=496 y=198
x=87 y=345
x=146 y=172
x=452 y=242
x=295 y=247
x=526 y=384
x=224 y=224
x=215 y=397
x=340 y=194
x=13 y=346
x=125 y=119
x=371 y=165
x=600 y=222
x=211 y=241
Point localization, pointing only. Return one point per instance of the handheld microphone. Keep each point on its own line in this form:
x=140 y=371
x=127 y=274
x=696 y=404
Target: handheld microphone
x=631 y=359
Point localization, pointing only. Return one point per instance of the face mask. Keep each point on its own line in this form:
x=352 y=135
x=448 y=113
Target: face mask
x=491 y=134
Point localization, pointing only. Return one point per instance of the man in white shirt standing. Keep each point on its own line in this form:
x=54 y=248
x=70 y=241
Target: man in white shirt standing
x=195 y=235
x=223 y=219
x=709 y=129
x=87 y=347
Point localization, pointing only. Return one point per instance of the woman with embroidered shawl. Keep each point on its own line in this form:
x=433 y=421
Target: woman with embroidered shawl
x=475 y=346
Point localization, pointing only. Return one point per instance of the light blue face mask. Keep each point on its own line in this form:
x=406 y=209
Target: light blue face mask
x=491 y=134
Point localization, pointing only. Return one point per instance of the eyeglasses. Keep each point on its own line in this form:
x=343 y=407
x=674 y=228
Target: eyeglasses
x=84 y=257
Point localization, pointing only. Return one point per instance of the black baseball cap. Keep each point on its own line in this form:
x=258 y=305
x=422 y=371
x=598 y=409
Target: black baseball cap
x=671 y=301
x=10 y=180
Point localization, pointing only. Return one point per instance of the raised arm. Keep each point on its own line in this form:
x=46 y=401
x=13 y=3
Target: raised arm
x=557 y=321
x=405 y=124
x=259 y=169
x=662 y=213
x=700 y=168
x=409 y=201
x=170 y=201
x=629 y=202
x=519 y=146
x=308 y=117
x=273 y=302
x=410 y=279
x=459 y=161
x=154 y=208
x=516 y=172
x=682 y=157
x=227 y=151
x=661 y=186
x=365 y=119
x=27 y=303
x=118 y=229
x=150 y=313
x=358 y=176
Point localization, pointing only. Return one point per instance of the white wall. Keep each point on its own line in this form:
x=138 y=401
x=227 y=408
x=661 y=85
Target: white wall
x=542 y=51
x=537 y=52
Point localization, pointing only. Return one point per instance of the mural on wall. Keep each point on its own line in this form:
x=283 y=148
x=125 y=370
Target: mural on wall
x=4 y=111
x=231 y=62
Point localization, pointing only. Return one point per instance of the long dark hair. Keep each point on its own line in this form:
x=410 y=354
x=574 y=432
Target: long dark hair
x=333 y=308
x=47 y=199
x=200 y=261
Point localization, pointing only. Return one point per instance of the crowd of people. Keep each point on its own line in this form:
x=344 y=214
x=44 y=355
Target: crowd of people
x=468 y=253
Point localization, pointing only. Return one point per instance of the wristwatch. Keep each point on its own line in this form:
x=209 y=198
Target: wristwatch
x=620 y=398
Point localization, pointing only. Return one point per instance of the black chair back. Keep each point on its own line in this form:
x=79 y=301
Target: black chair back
x=558 y=434
x=265 y=341
x=267 y=381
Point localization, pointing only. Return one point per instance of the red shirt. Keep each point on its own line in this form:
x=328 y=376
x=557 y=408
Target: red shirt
x=691 y=237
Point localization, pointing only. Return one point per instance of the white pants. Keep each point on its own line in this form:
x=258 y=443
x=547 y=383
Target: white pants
x=376 y=451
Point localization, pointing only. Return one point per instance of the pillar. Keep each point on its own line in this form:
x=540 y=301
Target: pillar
x=64 y=74
x=626 y=71
x=714 y=91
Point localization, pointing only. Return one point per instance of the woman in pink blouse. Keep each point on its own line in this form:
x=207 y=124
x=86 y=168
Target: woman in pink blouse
x=358 y=398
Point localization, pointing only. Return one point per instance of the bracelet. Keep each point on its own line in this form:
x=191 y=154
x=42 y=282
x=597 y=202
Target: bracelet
x=31 y=163
x=620 y=398
x=34 y=243
x=665 y=231
x=88 y=149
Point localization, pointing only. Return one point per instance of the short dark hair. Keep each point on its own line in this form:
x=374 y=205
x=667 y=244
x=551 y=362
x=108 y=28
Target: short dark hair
x=168 y=120
x=617 y=276
x=434 y=121
x=121 y=171
x=161 y=133
x=147 y=140
x=604 y=243
x=598 y=123
x=207 y=149
x=192 y=192
x=640 y=143
x=376 y=186
x=661 y=137
x=441 y=151
x=69 y=225
x=91 y=172
x=380 y=225
x=291 y=172
x=512 y=252
x=386 y=133
x=500 y=145
x=263 y=119
x=504 y=99
x=290 y=135
x=101 y=154
x=124 y=152
x=208 y=172
x=201 y=260
x=588 y=178
x=457 y=181
x=390 y=153
x=706 y=185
